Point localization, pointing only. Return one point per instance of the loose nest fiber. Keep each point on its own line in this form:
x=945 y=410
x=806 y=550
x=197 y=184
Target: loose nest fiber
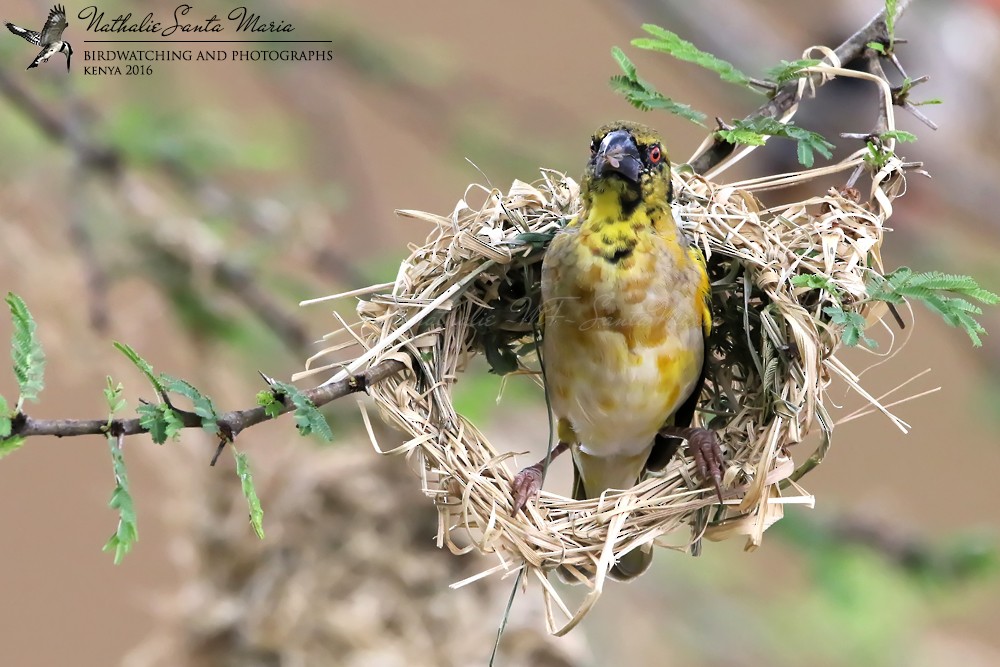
x=473 y=288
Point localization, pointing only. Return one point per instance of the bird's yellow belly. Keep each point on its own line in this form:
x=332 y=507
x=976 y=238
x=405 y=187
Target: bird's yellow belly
x=616 y=396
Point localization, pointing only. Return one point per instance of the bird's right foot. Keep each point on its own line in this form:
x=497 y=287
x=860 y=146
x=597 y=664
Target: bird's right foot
x=528 y=482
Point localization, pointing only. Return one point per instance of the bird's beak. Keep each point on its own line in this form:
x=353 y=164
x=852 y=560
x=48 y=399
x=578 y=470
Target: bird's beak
x=618 y=154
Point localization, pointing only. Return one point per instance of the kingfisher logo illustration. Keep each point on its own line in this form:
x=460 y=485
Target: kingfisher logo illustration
x=130 y=45
x=49 y=37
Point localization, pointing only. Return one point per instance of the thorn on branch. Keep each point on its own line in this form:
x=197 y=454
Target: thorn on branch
x=723 y=125
x=218 y=452
x=863 y=136
x=769 y=86
x=226 y=435
x=116 y=428
x=896 y=316
x=358 y=383
x=919 y=115
x=269 y=381
x=18 y=423
x=898 y=65
x=786 y=96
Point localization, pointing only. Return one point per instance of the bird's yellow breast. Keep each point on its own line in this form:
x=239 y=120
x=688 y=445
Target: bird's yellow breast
x=625 y=309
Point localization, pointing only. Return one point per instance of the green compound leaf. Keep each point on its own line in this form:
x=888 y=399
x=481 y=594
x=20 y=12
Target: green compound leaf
x=753 y=132
x=126 y=535
x=160 y=421
x=664 y=41
x=203 y=405
x=26 y=351
x=249 y=492
x=946 y=294
x=142 y=365
x=644 y=96
x=308 y=419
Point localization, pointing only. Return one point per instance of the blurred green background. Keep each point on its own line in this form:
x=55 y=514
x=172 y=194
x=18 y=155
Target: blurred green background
x=188 y=212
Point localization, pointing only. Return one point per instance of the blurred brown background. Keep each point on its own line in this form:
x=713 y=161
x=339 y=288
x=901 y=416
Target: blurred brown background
x=285 y=176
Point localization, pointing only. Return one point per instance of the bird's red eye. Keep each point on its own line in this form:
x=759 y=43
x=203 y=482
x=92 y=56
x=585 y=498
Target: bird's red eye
x=655 y=155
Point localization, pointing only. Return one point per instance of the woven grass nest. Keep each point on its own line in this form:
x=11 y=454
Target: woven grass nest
x=473 y=288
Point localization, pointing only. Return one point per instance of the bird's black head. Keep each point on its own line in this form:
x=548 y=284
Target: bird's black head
x=628 y=158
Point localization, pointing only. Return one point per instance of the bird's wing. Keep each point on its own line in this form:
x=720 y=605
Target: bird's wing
x=43 y=55
x=54 y=25
x=29 y=35
x=704 y=288
x=664 y=448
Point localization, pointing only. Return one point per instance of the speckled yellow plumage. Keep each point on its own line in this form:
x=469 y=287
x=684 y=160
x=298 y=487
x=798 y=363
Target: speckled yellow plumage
x=625 y=316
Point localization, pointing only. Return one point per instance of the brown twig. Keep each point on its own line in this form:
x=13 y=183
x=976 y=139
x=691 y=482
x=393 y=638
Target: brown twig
x=230 y=423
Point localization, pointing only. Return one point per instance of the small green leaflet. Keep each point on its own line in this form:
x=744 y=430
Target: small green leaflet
x=643 y=96
x=160 y=421
x=308 y=419
x=8 y=444
x=623 y=61
x=815 y=281
x=537 y=240
x=899 y=135
x=267 y=400
x=26 y=351
x=890 y=20
x=665 y=41
x=789 y=71
x=113 y=397
x=852 y=324
x=6 y=426
x=249 y=492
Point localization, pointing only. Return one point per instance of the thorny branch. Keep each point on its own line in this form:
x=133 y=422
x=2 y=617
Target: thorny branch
x=787 y=96
x=230 y=423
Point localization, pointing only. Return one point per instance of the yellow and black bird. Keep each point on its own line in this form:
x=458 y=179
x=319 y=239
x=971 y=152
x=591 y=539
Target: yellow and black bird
x=626 y=303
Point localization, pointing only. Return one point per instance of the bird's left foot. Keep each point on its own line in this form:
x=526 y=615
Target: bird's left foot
x=526 y=486
x=703 y=447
